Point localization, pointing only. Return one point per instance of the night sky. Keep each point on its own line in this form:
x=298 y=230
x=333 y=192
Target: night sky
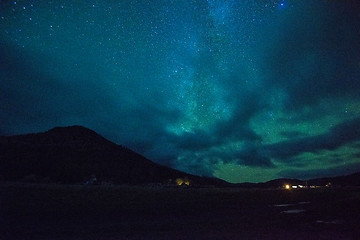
x=241 y=90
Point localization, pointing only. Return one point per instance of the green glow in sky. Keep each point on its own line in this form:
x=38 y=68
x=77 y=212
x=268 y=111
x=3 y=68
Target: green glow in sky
x=240 y=90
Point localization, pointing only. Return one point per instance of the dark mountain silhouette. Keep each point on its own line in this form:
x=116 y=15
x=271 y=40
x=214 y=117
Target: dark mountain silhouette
x=281 y=182
x=75 y=154
x=342 y=181
x=348 y=180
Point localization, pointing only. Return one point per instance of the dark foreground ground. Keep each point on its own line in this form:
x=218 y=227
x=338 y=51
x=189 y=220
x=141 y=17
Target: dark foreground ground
x=122 y=212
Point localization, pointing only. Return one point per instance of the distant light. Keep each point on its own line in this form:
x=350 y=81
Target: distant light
x=179 y=181
x=287 y=186
x=294 y=186
x=182 y=181
x=282 y=4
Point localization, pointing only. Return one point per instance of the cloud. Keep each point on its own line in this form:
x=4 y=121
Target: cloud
x=320 y=173
x=41 y=92
x=242 y=153
x=238 y=126
x=337 y=136
x=132 y=81
x=314 y=54
x=291 y=134
x=251 y=157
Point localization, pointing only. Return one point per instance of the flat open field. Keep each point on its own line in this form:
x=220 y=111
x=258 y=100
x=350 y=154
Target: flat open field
x=29 y=211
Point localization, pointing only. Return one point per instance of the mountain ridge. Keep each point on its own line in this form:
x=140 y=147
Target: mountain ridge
x=73 y=154
x=342 y=181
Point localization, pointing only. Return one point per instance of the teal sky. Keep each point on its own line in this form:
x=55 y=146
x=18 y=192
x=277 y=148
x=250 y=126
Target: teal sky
x=240 y=90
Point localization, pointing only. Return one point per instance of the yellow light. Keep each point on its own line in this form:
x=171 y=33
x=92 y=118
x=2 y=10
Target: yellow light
x=179 y=181
x=287 y=186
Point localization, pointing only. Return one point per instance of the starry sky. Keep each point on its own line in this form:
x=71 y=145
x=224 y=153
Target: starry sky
x=239 y=90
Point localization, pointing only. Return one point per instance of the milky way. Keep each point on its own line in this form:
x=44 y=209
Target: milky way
x=240 y=90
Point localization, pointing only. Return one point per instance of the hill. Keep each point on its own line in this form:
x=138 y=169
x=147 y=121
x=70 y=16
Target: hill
x=348 y=180
x=76 y=154
x=343 y=181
